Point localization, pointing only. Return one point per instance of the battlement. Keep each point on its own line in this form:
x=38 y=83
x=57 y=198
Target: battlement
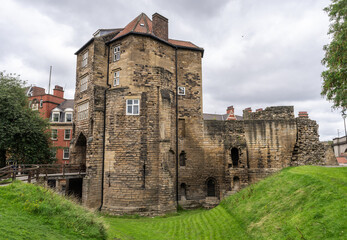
x=270 y=113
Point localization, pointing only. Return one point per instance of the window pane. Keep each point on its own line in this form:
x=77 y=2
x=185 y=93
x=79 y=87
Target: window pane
x=136 y=109
x=129 y=109
x=136 y=101
x=130 y=102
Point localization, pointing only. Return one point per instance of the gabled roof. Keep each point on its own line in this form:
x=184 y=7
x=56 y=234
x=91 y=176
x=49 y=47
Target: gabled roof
x=142 y=25
x=66 y=104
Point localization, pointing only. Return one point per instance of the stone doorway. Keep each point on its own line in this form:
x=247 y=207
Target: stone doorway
x=183 y=191
x=75 y=187
x=236 y=183
x=211 y=187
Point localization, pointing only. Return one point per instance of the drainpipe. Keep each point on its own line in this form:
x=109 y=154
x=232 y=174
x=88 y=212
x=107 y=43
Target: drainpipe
x=104 y=131
x=176 y=128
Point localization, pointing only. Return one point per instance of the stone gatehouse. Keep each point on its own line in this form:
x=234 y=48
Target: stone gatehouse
x=140 y=130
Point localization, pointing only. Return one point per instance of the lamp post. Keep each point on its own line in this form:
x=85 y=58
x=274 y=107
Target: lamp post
x=344 y=121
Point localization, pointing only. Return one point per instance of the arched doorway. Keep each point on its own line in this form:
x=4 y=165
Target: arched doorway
x=183 y=158
x=236 y=183
x=235 y=157
x=211 y=187
x=81 y=149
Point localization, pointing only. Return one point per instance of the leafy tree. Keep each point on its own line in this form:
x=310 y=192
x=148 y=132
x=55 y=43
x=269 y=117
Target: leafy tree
x=24 y=134
x=335 y=59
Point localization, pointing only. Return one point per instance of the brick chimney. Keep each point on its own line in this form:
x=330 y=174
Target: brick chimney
x=259 y=109
x=160 y=26
x=230 y=112
x=58 y=91
x=303 y=115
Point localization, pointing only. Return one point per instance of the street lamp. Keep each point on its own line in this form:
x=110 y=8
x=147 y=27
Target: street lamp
x=344 y=121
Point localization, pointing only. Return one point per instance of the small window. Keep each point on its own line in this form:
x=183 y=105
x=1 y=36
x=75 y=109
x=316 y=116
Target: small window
x=68 y=117
x=133 y=107
x=183 y=158
x=41 y=103
x=66 y=153
x=53 y=153
x=55 y=117
x=116 y=53
x=116 y=79
x=67 y=134
x=181 y=91
x=54 y=134
x=84 y=59
x=84 y=83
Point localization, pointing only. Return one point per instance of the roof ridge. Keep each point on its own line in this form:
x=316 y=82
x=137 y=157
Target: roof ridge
x=137 y=22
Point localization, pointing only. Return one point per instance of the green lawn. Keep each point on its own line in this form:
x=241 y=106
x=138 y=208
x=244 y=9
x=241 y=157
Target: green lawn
x=28 y=212
x=298 y=203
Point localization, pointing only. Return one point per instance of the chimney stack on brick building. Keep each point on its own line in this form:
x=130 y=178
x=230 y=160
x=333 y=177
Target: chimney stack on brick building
x=58 y=91
x=231 y=114
x=303 y=115
x=160 y=26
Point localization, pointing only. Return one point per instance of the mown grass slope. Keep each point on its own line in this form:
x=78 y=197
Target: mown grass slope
x=28 y=211
x=298 y=203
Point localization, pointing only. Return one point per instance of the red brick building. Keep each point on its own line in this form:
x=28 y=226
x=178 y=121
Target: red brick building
x=59 y=111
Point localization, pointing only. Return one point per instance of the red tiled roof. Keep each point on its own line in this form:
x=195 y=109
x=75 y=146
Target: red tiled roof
x=143 y=24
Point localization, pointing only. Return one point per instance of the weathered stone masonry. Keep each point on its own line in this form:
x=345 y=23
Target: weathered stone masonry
x=127 y=136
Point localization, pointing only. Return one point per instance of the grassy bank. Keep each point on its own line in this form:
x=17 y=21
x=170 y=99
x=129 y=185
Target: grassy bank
x=298 y=203
x=28 y=211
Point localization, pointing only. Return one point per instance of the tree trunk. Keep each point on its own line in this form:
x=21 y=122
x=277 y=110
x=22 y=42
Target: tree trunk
x=2 y=158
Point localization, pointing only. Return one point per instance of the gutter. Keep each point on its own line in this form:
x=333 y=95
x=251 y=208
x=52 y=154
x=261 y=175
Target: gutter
x=104 y=131
x=176 y=127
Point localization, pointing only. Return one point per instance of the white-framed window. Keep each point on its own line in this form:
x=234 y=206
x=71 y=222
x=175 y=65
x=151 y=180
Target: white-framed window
x=84 y=83
x=67 y=134
x=66 y=154
x=41 y=103
x=53 y=152
x=116 y=78
x=54 y=134
x=35 y=106
x=55 y=116
x=85 y=59
x=181 y=91
x=116 y=55
x=133 y=106
x=82 y=111
x=68 y=117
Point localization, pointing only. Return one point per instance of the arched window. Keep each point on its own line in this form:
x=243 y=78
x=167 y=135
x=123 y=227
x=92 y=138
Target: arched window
x=235 y=157
x=183 y=158
x=211 y=187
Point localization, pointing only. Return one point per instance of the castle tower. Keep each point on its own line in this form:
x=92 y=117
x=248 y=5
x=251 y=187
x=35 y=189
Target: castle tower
x=137 y=92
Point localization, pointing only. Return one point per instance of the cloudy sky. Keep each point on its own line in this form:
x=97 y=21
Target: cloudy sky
x=257 y=53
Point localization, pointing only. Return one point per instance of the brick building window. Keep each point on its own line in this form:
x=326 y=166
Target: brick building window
x=84 y=59
x=67 y=134
x=116 y=78
x=82 y=111
x=68 y=117
x=66 y=154
x=35 y=106
x=133 y=106
x=54 y=134
x=53 y=152
x=84 y=83
x=55 y=117
x=41 y=103
x=116 y=55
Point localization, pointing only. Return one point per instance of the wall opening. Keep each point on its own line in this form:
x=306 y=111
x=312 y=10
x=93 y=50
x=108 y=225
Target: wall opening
x=81 y=149
x=75 y=187
x=235 y=157
x=236 y=183
x=183 y=158
x=183 y=191
x=211 y=187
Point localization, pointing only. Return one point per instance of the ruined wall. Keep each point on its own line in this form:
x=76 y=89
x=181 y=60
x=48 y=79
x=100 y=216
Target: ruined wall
x=308 y=149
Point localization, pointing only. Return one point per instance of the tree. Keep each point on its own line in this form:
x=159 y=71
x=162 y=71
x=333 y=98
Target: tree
x=335 y=59
x=24 y=135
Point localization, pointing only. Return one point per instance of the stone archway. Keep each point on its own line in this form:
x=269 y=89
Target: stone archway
x=81 y=150
x=211 y=185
